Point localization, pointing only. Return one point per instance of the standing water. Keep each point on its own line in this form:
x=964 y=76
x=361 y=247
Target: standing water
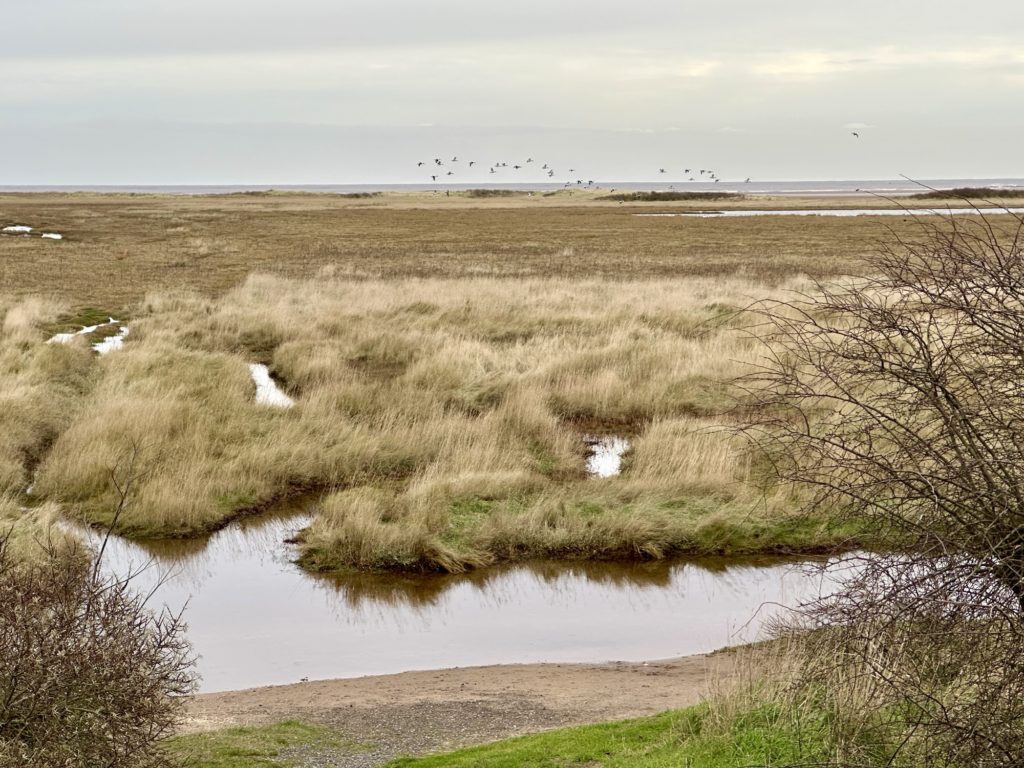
x=256 y=619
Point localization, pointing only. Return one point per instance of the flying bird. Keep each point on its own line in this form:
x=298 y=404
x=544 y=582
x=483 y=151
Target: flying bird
x=661 y=170
x=855 y=134
x=419 y=163
x=434 y=178
x=472 y=163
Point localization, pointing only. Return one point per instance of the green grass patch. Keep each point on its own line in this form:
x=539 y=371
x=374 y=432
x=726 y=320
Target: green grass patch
x=256 y=746
x=80 y=317
x=669 y=740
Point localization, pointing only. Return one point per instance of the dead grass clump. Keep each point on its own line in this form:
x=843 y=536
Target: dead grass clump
x=455 y=409
x=40 y=387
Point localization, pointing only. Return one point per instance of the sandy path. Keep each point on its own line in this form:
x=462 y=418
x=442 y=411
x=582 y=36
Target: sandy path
x=420 y=712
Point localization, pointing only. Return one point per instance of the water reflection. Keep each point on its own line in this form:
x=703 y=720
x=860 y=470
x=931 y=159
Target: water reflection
x=256 y=619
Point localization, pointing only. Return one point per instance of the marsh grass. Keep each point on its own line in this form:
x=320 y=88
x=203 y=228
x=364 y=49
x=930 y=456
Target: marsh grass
x=40 y=387
x=121 y=247
x=448 y=417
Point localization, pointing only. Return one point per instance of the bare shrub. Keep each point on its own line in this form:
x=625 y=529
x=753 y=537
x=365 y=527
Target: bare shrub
x=89 y=675
x=897 y=399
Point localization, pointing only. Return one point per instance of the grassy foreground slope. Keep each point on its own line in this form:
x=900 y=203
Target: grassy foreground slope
x=698 y=736
x=669 y=740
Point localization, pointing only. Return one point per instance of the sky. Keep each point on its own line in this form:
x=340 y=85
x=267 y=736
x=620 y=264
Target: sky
x=359 y=91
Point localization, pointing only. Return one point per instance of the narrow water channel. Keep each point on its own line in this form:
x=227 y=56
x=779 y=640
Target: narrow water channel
x=255 y=619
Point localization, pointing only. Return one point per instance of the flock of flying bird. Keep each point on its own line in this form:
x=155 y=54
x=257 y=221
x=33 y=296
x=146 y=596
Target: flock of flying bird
x=703 y=174
x=443 y=170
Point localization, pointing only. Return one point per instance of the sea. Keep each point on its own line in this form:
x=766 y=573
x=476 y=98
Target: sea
x=834 y=188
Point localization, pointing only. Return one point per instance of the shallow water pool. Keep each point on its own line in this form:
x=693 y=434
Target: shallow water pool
x=256 y=619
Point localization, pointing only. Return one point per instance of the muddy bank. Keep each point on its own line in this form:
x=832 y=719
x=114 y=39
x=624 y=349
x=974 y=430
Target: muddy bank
x=421 y=712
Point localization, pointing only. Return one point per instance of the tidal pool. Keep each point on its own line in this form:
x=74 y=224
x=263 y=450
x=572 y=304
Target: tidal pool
x=256 y=619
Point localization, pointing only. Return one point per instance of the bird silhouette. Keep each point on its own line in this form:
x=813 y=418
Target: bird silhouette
x=455 y=159
x=434 y=178
x=686 y=171
x=493 y=171
x=419 y=163
x=437 y=160
x=544 y=167
x=451 y=173
x=855 y=134
x=516 y=167
x=661 y=170
x=472 y=163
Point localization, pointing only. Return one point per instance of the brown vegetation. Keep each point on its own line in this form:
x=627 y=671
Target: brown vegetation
x=450 y=416
x=89 y=676
x=120 y=247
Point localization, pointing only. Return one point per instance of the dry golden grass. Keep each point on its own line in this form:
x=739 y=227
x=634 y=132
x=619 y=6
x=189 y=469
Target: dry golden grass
x=40 y=385
x=447 y=355
x=119 y=247
x=449 y=414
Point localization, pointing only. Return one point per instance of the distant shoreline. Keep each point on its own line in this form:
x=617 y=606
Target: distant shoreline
x=819 y=188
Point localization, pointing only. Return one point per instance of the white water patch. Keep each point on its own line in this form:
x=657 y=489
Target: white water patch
x=267 y=391
x=66 y=338
x=52 y=236
x=111 y=343
x=16 y=229
x=605 y=459
x=840 y=212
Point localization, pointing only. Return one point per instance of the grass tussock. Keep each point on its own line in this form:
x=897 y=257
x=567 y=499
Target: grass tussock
x=40 y=387
x=449 y=417
x=28 y=533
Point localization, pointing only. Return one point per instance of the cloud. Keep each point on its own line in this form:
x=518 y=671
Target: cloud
x=815 y=64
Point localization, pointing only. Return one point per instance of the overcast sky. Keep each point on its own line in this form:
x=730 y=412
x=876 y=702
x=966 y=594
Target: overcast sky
x=357 y=91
